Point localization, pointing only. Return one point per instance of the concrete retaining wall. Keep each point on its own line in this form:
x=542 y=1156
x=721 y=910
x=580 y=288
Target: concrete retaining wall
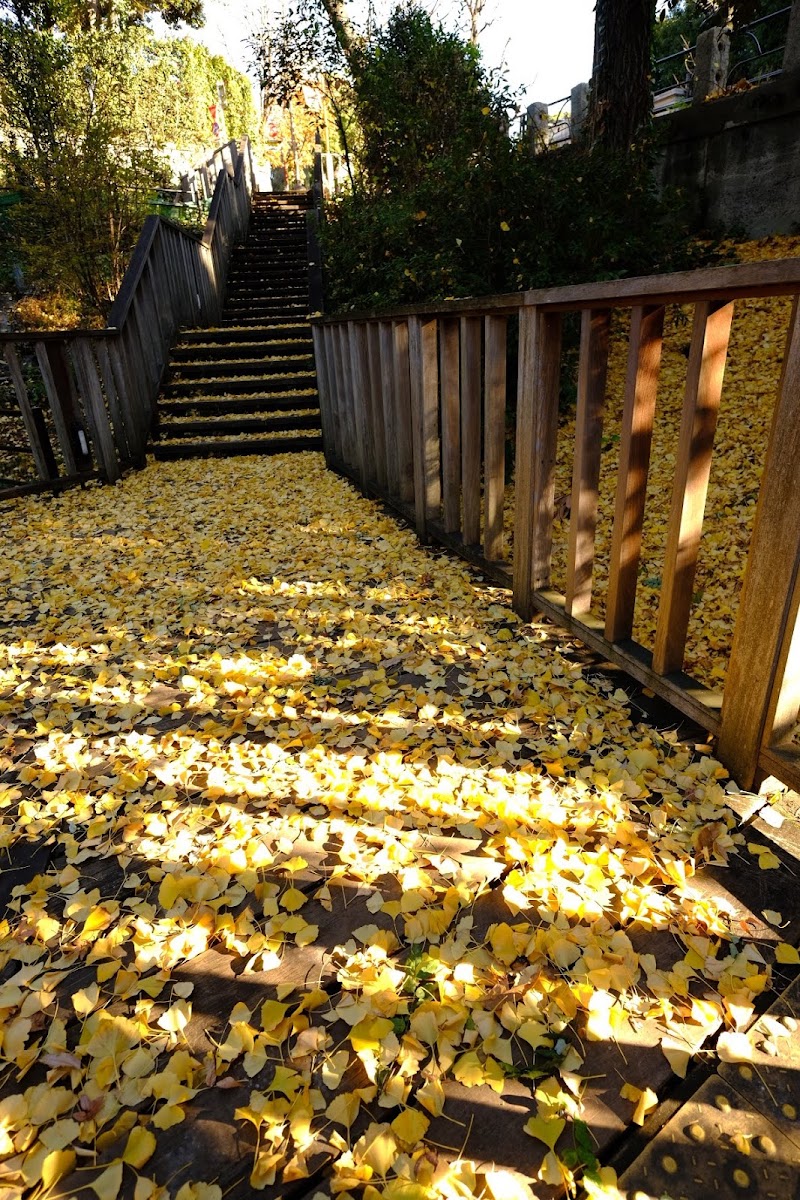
x=737 y=159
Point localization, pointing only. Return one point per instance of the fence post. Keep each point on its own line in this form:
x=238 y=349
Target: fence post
x=711 y=58
x=759 y=686
x=537 y=130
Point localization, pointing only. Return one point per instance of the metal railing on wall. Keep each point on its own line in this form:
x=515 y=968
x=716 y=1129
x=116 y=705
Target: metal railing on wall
x=739 y=58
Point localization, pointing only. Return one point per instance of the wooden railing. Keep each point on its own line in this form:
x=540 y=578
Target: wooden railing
x=414 y=408
x=198 y=185
x=99 y=386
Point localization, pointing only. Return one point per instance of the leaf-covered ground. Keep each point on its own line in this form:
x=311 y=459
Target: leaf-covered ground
x=326 y=876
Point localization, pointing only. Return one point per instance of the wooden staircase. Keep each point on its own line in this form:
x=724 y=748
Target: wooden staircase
x=249 y=386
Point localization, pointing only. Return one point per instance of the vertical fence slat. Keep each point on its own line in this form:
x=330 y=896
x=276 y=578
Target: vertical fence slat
x=389 y=408
x=471 y=429
x=537 y=430
x=58 y=389
x=351 y=448
x=451 y=424
x=423 y=357
x=592 y=367
x=126 y=390
x=376 y=402
x=709 y=347
x=357 y=339
x=40 y=446
x=402 y=394
x=342 y=430
x=334 y=369
x=95 y=408
x=763 y=679
x=118 y=422
x=494 y=437
x=638 y=412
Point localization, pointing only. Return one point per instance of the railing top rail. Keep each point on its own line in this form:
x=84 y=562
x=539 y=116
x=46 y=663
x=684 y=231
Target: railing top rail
x=742 y=281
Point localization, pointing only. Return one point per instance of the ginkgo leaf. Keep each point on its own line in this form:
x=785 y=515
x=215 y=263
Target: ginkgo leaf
x=644 y=1099
x=545 y=1129
x=106 y=1185
x=56 y=1165
x=86 y=1000
x=140 y=1147
x=410 y=1126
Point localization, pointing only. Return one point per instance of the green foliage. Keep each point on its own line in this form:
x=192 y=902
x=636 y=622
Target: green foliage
x=84 y=121
x=74 y=16
x=76 y=157
x=176 y=82
x=423 y=101
x=446 y=205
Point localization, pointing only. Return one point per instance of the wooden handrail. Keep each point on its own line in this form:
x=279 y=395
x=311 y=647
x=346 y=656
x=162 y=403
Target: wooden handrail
x=413 y=409
x=778 y=277
x=102 y=384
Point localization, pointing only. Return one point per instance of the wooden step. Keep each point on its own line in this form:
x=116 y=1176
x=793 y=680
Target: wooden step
x=211 y=427
x=271 y=331
x=239 y=386
x=240 y=351
x=221 y=368
x=284 y=402
x=163 y=451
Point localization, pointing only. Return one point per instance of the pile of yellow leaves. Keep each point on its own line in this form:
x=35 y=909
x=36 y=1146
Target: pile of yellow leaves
x=255 y=726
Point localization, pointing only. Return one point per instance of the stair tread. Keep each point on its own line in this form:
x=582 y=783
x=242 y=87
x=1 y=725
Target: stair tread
x=169 y=430
x=248 y=385
x=219 y=448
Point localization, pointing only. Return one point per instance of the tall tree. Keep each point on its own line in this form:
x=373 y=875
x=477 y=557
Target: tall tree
x=621 y=98
x=70 y=16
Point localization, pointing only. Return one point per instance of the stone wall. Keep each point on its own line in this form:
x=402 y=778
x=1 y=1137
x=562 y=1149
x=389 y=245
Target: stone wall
x=737 y=159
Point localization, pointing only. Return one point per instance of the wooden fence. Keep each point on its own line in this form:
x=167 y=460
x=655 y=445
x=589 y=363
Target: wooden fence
x=414 y=409
x=99 y=386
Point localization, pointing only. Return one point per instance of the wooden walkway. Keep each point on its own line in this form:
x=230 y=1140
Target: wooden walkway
x=266 y=764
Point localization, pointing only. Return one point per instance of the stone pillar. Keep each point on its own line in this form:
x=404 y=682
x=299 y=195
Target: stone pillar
x=711 y=57
x=579 y=109
x=537 y=130
x=791 y=55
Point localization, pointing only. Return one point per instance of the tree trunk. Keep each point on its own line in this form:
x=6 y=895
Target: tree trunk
x=621 y=99
x=342 y=27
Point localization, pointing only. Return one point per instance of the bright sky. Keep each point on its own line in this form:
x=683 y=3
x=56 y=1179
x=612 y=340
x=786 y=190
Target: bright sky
x=545 y=44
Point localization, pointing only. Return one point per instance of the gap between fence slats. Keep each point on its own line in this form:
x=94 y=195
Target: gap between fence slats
x=707 y=356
